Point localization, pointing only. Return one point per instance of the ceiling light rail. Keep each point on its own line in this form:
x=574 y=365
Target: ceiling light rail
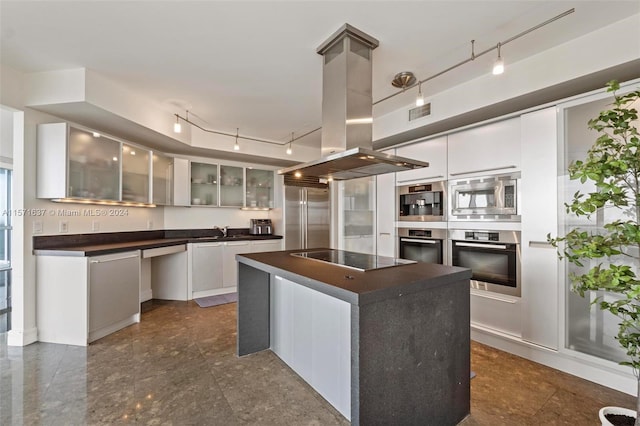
x=472 y=57
x=237 y=135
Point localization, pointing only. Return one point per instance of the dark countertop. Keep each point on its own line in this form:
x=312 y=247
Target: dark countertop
x=98 y=244
x=353 y=286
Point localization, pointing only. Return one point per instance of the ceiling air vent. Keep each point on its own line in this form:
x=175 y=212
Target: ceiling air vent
x=419 y=112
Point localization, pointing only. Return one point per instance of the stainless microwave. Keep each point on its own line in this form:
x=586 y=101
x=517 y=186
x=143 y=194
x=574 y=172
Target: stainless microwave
x=492 y=198
x=422 y=202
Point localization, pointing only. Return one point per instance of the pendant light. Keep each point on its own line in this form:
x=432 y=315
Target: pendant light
x=419 y=98
x=498 y=65
x=236 y=147
x=177 y=127
x=289 y=150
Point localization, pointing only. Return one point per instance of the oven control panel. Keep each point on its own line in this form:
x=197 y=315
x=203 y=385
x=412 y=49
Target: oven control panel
x=481 y=236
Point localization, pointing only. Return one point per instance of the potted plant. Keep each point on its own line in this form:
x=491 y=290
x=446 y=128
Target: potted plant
x=613 y=166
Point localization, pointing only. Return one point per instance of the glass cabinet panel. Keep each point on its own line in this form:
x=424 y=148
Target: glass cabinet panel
x=259 y=191
x=358 y=220
x=94 y=166
x=204 y=184
x=162 y=179
x=231 y=186
x=135 y=174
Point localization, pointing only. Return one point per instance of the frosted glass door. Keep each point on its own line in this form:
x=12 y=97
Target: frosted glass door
x=162 y=170
x=135 y=174
x=204 y=184
x=259 y=188
x=94 y=166
x=231 y=186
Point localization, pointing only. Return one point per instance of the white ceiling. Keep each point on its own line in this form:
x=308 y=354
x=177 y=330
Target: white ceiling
x=253 y=65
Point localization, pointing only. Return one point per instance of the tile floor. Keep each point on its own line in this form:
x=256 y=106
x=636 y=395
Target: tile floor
x=178 y=367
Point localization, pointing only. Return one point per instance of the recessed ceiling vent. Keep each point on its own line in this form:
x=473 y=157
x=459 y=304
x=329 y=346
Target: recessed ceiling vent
x=419 y=112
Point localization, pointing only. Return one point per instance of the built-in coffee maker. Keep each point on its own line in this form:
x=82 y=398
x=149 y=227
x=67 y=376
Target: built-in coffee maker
x=261 y=227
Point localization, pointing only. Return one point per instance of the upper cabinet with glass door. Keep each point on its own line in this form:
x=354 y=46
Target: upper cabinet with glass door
x=76 y=163
x=204 y=184
x=231 y=186
x=162 y=187
x=135 y=174
x=259 y=189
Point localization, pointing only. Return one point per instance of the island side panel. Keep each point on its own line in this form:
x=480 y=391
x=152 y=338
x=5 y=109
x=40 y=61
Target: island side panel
x=411 y=358
x=253 y=309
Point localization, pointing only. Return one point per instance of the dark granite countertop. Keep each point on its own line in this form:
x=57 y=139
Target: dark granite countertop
x=98 y=244
x=353 y=286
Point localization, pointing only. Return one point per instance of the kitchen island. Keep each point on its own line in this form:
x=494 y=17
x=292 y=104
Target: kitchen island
x=383 y=346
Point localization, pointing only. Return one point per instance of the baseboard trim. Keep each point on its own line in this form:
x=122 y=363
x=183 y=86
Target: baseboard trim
x=602 y=372
x=214 y=292
x=22 y=337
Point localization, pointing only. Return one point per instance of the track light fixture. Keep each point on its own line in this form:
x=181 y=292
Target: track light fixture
x=177 y=127
x=236 y=147
x=289 y=150
x=419 y=98
x=498 y=65
x=406 y=80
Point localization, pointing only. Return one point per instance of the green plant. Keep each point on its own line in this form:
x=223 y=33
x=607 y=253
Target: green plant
x=613 y=166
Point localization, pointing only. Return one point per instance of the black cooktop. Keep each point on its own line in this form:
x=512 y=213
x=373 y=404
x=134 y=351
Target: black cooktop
x=350 y=259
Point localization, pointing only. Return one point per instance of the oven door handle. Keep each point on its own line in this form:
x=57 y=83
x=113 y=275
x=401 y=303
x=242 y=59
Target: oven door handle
x=477 y=245
x=409 y=240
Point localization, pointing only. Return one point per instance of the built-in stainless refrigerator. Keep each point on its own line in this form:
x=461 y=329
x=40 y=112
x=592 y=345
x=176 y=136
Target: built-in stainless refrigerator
x=307 y=218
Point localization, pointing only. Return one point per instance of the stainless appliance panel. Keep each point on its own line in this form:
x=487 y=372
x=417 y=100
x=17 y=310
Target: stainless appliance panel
x=422 y=245
x=493 y=256
x=318 y=218
x=306 y=218
x=486 y=198
x=422 y=202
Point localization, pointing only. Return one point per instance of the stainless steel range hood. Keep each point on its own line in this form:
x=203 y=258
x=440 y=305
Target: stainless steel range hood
x=347 y=151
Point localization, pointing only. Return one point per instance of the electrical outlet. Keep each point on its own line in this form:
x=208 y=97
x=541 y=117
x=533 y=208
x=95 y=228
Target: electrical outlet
x=63 y=226
x=95 y=226
x=149 y=224
x=37 y=227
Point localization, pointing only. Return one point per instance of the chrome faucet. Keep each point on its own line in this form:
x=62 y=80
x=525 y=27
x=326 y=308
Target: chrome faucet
x=224 y=231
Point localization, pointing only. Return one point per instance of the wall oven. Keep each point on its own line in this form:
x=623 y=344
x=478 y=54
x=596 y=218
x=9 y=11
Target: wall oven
x=491 y=197
x=422 y=203
x=422 y=245
x=493 y=256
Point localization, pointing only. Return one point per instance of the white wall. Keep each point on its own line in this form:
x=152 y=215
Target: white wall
x=590 y=53
x=6 y=137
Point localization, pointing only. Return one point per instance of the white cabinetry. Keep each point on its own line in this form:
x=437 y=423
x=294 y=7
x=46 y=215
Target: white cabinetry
x=230 y=269
x=433 y=151
x=385 y=214
x=81 y=299
x=539 y=217
x=311 y=332
x=490 y=149
x=265 y=245
x=207 y=268
x=181 y=184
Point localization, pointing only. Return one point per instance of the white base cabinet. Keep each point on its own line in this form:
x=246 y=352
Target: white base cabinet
x=206 y=269
x=81 y=299
x=311 y=333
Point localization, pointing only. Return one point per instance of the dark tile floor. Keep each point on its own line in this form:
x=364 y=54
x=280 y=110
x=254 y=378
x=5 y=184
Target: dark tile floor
x=178 y=367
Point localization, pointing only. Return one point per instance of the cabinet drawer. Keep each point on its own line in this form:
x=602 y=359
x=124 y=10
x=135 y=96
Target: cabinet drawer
x=161 y=251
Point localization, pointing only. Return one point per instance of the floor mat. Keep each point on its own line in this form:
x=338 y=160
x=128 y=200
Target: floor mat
x=221 y=299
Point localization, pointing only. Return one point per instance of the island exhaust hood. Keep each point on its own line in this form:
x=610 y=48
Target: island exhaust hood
x=347 y=151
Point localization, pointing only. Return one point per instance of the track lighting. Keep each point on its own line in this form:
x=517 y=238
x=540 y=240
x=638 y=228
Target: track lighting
x=498 y=65
x=177 y=128
x=236 y=147
x=289 y=150
x=419 y=98
x=406 y=80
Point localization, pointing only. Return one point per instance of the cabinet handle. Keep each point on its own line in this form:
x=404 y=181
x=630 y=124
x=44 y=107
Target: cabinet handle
x=484 y=170
x=409 y=240
x=385 y=233
x=113 y=260
x=422 y=178
x=489 y=246
x=540 y=244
